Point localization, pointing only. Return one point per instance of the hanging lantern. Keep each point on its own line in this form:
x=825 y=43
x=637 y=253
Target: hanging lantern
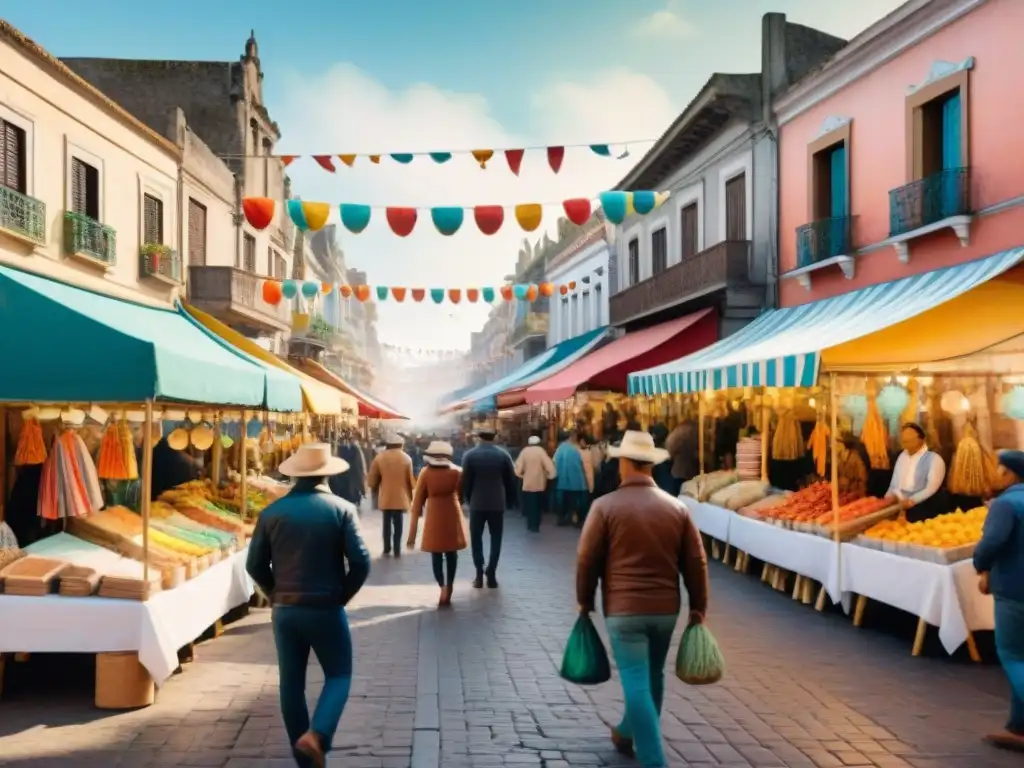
x=398 y=294
x=382 y=293
x=487 y=294
x=1013 y=403
x=418 y=294
x=271 y=292
x=345 y=290
x=259 y=211
x=289 y=289
x=892 y=401
x=546 y=289
x=472 y=294
x=519 y=291
x=506 y=292
x=454 y=295
x=532 y=293
x=362 y=292
x=954 y=402
x=310 y=289
x=563 y=289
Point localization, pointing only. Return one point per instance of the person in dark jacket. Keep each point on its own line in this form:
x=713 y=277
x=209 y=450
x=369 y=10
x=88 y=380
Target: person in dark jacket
x=489 y=487
x=350 y=485
x=999 y=560
x=307 y=555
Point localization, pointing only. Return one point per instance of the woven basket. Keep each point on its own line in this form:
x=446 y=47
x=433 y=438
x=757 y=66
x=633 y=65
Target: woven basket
x=122 y=682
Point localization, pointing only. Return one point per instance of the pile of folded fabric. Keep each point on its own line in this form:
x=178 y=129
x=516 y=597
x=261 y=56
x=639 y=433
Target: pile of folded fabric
x=31 y=576
x=78 y=581
x=123 y=588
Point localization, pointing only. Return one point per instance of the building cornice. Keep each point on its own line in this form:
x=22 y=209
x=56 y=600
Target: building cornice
x=883 y=41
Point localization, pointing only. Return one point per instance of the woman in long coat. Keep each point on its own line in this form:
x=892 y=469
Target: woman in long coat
x=443 y=533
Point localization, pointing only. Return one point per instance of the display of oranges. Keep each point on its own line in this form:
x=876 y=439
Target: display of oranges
x=943 y=532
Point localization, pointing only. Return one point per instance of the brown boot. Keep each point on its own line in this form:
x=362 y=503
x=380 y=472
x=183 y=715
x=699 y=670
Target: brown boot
x=310 y=746
x=442 y=598
x=622 y=745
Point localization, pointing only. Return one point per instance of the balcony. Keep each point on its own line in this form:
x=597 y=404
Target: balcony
x=22 y=217
x=936 y=202
x=88 y=241
x=234 y=297
x=722 y=265
x=822 y=244
x=532 y=325
x=160 y=263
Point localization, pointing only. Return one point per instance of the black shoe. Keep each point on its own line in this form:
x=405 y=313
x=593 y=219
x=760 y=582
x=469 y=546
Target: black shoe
x=386 y=553
x=398 y=553
x=492 y=583
x=478 y=582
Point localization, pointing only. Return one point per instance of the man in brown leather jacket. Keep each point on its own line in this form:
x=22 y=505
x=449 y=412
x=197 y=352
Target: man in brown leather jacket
x=637 y=541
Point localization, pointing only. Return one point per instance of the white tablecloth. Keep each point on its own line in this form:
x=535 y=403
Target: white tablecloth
x=710 y=520
x=944 y=596
x=155 y=629
x=802 y=553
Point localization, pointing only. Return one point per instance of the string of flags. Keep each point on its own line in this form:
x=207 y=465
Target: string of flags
x=555 y=155
x=423 y=354
x=275 y=291
x=311 y=216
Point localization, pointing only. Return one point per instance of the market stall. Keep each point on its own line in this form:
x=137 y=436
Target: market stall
x=864 y=363
x=115 y=571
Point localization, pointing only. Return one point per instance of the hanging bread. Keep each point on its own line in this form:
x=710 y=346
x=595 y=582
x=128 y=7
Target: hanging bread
x=968 y=475
x=874 y=434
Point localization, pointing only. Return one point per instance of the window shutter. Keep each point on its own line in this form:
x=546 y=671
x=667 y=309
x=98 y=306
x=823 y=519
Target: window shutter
x=79 y=187
x=12 y=156
x=688 y=226
x=736 y=208
x=153 y=219
x=196 y=233
x=250 y=254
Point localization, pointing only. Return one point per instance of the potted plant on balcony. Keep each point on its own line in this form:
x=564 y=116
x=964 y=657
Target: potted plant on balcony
x=153 y=255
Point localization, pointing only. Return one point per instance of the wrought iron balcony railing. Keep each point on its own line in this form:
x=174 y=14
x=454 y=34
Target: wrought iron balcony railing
x=929 y=200
x=85 y=237
x=234 y=296
x=23 y=215
x=161 y=262
x=823 y=239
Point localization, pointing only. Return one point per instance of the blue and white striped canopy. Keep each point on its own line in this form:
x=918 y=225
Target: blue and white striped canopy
x=782 y=348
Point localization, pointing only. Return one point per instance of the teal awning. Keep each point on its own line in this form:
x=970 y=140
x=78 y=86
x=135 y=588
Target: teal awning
x=67 y=344
x=545 y=364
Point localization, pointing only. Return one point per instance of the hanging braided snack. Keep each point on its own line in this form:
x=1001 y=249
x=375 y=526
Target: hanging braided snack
x=874 y=434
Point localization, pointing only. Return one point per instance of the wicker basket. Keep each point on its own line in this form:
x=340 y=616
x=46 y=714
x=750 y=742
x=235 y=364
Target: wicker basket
x=122 y=682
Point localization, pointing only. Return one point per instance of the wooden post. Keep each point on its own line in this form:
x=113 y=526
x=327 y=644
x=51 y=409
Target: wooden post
x=147 y=490
x=919 y=637
x=217 y=455
x=766 y=425
x=243 y=459
x=834 y=408
x=700 y=443
x=3 y=484
x=858 y=610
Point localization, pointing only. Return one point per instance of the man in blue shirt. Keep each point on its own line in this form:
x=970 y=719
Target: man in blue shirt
x=307 y=555
x=999 y=559
x=489 y=487
x=572 y=491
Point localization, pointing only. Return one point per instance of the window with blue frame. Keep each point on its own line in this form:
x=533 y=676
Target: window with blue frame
x=943 y=182
x=828 y=234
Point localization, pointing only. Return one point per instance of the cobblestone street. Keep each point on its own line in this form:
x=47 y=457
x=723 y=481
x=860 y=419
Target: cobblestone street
x=478 y=686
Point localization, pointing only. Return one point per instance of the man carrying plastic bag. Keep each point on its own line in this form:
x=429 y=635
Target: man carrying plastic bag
x=636 y=542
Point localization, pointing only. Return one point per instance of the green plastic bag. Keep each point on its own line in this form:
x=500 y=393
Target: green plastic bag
x=699 y=660
x=585 y=661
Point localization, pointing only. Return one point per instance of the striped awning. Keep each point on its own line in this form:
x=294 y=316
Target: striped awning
x=783 y=348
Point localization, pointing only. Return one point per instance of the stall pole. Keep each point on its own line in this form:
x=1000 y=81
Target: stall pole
x=700 y=461
x=147 y=490
x=834 y=444
x=218 y=450
x=766 y=425
x=243 y=458
x=3 y=480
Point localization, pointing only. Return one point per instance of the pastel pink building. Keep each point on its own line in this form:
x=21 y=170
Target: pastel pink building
x=904 y=153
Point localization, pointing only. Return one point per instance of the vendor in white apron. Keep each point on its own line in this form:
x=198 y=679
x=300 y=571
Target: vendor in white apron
x=918 y=477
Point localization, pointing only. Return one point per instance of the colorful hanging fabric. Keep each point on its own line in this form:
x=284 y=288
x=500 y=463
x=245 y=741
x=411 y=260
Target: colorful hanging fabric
x=355 y=217
x=401 y=220
x=643 y=202
x=362 y=292
x=454 y=295
x=310 y=289
x=382 y=293
x=308 y=216
x=402 y=157
x=437 y=294
x=489 y=218
x=555 y=157
x=345 y=290
x=519 y=291
x=529 y=216
x=287 y=160
x=546 y=289
x=31 y=448
x=418 y=294
x=472 y=294
x=601 y=149
x=615 y=206
x=487 y=294
x=577 y=210
x=348 y=160
x=375 y=159
x=506 y=292
x=289 y=289
x=563 y=289
x=440 y=157
x=325 y=162
x=326 y=288
x=482 y=156
x=514 y=157
x=69 y=485
x=398 y=294
x=531 y=293
x=259 y=211
x=447 y=220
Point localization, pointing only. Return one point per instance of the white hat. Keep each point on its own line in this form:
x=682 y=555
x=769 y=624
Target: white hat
x=312 y=460
x=534 y=440
x=638 y=446
x=394 y=439
x=438 y=454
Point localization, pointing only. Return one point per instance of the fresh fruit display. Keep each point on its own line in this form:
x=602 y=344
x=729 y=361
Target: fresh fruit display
x=973 y=467
x=31 y=448
x=855 y=510
x=818 y=445
x=955 y=529
x=788 y=442
x=807 y=505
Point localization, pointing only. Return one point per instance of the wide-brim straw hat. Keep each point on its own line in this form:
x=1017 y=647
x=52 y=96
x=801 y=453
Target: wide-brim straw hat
x=638 y=446
x=178 y=439
x=394 y=439
x=534 y=440
x=202 y=437
x=313 y=460
x=438 y=453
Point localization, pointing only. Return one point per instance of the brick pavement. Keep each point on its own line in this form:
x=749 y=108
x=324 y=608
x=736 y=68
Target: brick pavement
x=477 y=686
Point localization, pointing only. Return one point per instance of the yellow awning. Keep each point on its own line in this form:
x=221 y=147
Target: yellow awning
x=986 y=321
x=317 y=397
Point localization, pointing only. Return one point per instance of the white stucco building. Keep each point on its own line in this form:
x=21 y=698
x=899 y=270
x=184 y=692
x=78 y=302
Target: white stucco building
x=588 y=260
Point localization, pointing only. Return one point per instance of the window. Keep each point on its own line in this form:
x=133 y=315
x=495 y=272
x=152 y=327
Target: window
x=659 y=251
x=736 y=208
x=280 y=267
x=196 y=233
x=564 y=330
x=587 y=320
x=574 y=317
x=689 y=231
x=634 y=261
x=85 y=189
x=249 y=254
x=597 y=303
x=152 y=219
x=12 y=156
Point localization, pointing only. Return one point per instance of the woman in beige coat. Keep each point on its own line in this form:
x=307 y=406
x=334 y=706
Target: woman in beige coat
x=439 y=488
x=535 y=468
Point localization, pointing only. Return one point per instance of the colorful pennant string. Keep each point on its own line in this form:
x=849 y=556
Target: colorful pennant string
x=274 y=291
x=356 y=217
x=555 y=155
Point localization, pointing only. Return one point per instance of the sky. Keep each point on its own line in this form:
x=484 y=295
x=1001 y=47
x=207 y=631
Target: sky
x=407 y=76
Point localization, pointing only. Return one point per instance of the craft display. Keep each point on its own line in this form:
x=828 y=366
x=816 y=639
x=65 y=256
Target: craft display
x=788 y=441
x=819 y=445
x=31 y=447
x=874 y=434
x=116 y=459
x=973 y=468
x=31 y=576
x=310 y=216
x=748 y=458
x=69 y=486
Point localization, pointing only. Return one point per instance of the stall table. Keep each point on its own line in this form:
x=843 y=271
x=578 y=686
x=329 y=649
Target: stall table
x=711 y=520
x=154 y=629
x=943 y=596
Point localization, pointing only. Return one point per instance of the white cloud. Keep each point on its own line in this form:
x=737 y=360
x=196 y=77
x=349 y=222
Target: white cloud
x=666 y=24
x=347 y=110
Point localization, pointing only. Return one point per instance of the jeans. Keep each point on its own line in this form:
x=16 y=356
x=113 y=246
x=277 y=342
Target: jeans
x=393 y=531
x=569 y=502
x=640 y=645
x=438 y=560
x=495 y=524
x=297 y=629
x=533 y=504
x=1009 y=641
